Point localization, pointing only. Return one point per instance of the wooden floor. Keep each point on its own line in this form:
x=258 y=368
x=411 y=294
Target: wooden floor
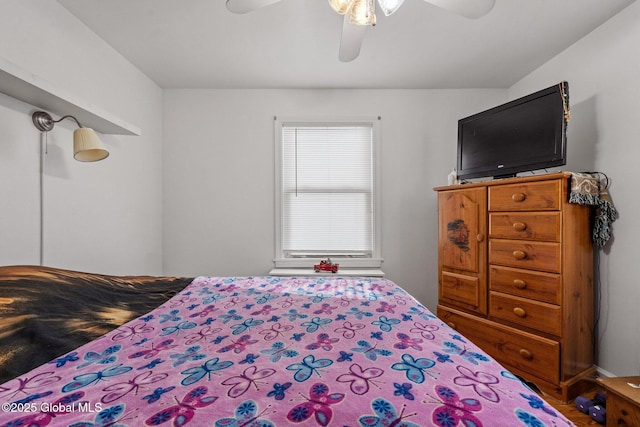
x=571 y=411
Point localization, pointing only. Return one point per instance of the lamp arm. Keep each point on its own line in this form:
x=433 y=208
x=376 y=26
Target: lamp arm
x=68 y=117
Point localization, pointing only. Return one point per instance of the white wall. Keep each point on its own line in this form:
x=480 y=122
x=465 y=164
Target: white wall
x=100 y=217
x=219 y=174
x=603 y=72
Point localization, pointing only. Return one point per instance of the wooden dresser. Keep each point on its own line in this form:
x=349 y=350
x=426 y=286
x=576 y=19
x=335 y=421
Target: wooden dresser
x=515 y=273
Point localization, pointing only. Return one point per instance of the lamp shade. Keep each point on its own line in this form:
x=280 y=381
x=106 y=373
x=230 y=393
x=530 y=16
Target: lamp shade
x=341 y=6
x=87 y=147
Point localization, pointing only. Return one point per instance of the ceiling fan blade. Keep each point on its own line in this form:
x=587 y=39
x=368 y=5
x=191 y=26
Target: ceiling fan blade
x=468 y=8
x=351 y=41
x=244 y=6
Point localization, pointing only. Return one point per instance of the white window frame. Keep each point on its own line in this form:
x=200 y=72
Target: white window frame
x=371 y=262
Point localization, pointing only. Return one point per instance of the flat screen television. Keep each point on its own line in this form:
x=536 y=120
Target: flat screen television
x=526 y=134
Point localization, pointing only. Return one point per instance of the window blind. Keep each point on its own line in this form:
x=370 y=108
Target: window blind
x=327 y=190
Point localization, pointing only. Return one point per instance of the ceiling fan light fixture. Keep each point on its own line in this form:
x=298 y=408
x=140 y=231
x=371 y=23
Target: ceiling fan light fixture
x=389 y=7
x=341 y=6
x=363 y=12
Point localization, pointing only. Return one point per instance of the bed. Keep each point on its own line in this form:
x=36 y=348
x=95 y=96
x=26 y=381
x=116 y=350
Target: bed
x=247 y=351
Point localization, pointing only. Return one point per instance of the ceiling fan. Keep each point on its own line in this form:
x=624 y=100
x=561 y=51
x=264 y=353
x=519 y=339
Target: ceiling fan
x=360 y=14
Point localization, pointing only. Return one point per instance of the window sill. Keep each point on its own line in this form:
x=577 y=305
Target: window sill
x=348 y=272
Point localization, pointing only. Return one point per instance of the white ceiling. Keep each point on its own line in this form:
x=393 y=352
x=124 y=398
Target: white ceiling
x=294 y=43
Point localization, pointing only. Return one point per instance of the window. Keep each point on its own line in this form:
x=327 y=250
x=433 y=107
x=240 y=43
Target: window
x=326 y=193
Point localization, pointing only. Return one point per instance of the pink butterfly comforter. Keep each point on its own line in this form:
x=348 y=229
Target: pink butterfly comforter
x=267 y=351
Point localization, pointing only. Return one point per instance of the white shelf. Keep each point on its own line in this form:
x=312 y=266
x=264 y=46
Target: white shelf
x=29 y=88
x=308 y=272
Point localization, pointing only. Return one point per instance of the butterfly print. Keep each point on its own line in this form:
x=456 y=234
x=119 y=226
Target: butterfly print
x=425 y=331
x=279 y=350
x=536 y=403
x=359 y=378
x=385 y=307
x=117 y=391
x=359 y=314
x=315 y=323
x=234 y=301
x=110 y=416
x=319 y=297
x=403 y=390
x=84 y=380
x=344 y=357
x=204 y=313
x=238 y=346
x=325 y=309
x=481 y=382
x=317 y=405
x=231 y=315
x=199 y=372
x=157 y=394
x=278 y=391
x=293 y=315
x=61 y=361
x=349 y=329
x=104 y=358
x=201 y=334
x=184 y=411
x=28 y=383
x=142 y=341
x=414 y=368
x=266 y=298
x=276 y=330
x=246 y=415
x=469 y=356
x=249 y=358
x=151 y=365
x=308 y=367
x=169 y=317
x=246 y=325
x=407 y=342
x=386 y=415
x=33 y=397
x=131 y=331
x=443 y=358
x=250 y=376
x=266 y=310
x=182 y=326
x=455 y=410
x=190 y=354
x=153 y=351
x=323 y=342
x=369 y=351
x=42 y=419
x=385 y=324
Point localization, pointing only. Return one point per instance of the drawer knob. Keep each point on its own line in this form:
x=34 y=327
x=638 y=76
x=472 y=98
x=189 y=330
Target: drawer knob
x=479 y=237
x=519 y=254
x=520 y=312
x=520 y=284
x=519 y=226
x=518 y=197
x=526 y=354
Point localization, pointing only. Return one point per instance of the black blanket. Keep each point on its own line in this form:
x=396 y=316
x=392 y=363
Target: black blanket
x=47 y=312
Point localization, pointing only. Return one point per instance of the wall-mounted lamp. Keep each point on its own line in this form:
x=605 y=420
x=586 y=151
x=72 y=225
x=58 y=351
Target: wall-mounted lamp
x=87 y=147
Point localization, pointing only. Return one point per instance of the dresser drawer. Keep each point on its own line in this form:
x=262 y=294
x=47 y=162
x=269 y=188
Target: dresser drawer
x=462 y=291
x=536 y=355
x=544 y=226
x=522 y=311
x=532 y=196
x=543 y=256
x=535 y=285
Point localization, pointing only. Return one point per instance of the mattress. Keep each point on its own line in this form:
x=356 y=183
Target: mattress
x=271 y=351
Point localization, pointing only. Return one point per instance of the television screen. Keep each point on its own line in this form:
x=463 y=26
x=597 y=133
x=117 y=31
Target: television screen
x=526 y=134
